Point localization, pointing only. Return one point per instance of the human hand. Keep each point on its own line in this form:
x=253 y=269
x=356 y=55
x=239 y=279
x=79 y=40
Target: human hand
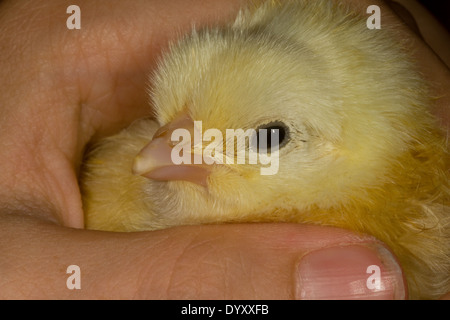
x=62 y=88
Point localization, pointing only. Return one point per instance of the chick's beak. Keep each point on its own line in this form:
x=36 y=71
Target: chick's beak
x=155 y=162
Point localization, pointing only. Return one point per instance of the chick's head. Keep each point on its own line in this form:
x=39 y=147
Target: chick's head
x=230 y=80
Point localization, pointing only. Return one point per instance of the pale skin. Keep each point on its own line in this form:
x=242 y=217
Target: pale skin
x=61 y=88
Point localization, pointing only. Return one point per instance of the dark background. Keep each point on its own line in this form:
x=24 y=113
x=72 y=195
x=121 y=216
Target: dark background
x=440 y=9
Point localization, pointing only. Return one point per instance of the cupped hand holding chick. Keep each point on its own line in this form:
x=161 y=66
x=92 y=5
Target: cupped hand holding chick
x=358 y=146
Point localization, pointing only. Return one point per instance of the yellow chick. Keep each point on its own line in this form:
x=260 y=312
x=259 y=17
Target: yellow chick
x=353 y=144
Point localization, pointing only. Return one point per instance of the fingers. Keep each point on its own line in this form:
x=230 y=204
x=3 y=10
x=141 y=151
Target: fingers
x=431 y=52
x=434 y=34
x=258 y=261
x=102 y=68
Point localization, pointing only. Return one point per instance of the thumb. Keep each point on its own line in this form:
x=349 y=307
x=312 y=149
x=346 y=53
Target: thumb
x=276 y=261
x=234 y=261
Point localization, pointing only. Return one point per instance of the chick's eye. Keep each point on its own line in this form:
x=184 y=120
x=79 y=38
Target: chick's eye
x=272 y=136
